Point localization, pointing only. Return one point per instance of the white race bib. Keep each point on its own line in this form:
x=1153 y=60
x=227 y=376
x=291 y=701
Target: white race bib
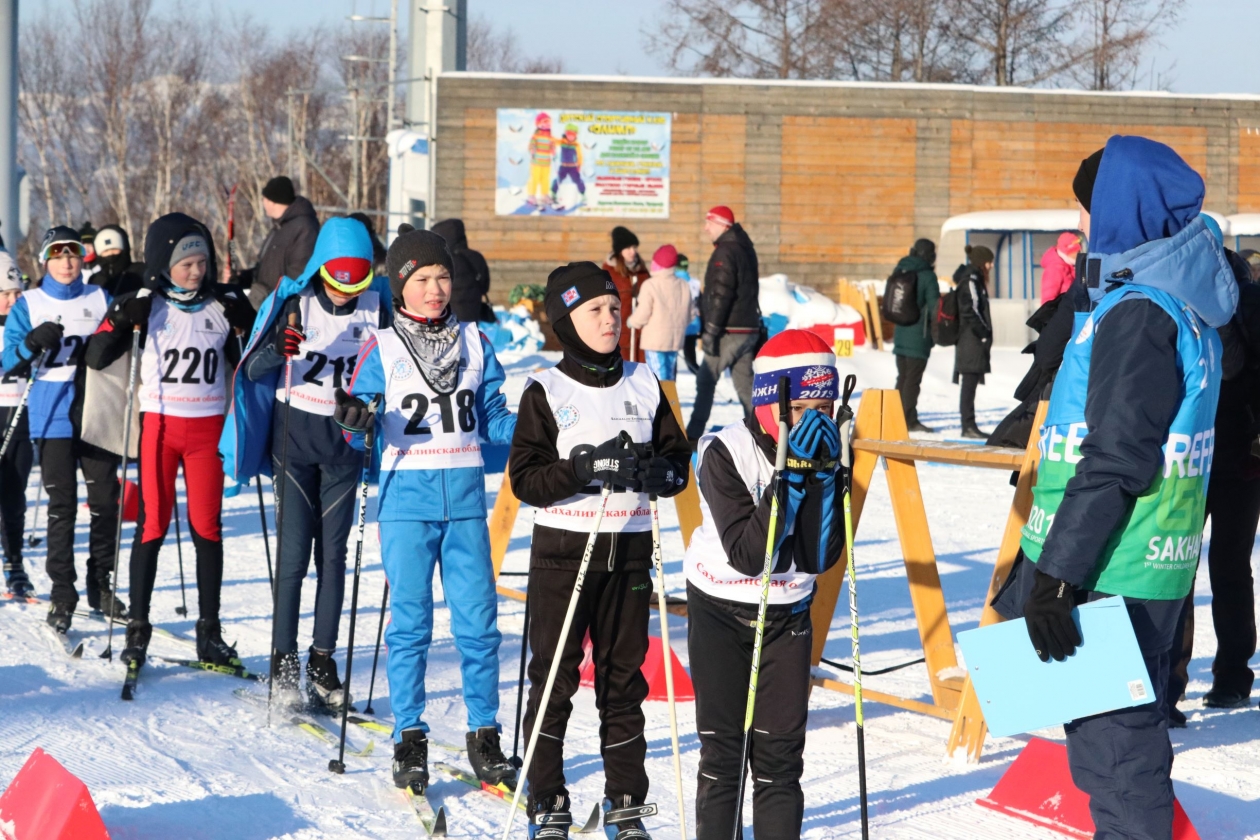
x=79 y=319
x=182 y=371
x=326 y=359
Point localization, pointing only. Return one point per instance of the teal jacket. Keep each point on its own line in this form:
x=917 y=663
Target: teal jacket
x=916 y=340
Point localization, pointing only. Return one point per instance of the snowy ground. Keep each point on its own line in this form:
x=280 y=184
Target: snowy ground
x=189 y=760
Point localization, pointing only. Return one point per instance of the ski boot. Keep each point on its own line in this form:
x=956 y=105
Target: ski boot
x=411 y=760
x=59 y=617
x=286 y=669
x=210 y=645
x=138 y=635
x=551 y=820
x=622 y=819
x=971 y=431
x=18 y=582
x=111 y=602
x=93 y=588
x=487 y=758
x=323 y=687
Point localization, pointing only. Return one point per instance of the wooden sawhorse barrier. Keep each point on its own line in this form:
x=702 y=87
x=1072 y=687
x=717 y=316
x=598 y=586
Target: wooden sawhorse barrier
x=507 y=506
x=880 y=432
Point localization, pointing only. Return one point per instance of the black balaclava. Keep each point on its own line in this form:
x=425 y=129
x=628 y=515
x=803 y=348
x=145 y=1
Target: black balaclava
x=568 y=287
x=1083 y=183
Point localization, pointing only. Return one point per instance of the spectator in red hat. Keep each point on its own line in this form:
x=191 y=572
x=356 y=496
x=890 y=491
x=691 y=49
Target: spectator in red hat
x=729 y=314
x=662 y=313
x=1058 y=266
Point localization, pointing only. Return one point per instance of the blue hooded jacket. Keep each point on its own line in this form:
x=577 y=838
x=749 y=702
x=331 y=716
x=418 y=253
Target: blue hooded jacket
x=1162 y=271
x=246 y=442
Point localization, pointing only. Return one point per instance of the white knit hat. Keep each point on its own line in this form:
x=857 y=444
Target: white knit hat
x=10 y=277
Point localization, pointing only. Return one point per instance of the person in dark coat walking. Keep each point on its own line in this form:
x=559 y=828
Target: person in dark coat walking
x=730 y=317
x=912 y=344
x=287 y=247
x=470 y=278
x=975 y=334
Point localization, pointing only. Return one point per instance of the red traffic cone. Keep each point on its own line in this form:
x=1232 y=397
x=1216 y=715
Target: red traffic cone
x=45 y=800
x=1038 y=788
x=653 y=671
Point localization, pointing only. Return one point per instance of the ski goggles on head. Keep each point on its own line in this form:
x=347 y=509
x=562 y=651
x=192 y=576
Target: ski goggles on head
x=348 y=275
x=61 y=249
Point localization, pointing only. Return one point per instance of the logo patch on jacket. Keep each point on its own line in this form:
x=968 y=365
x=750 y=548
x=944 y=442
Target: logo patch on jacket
x=402 y=369
x=632 y=410
x=567 y=416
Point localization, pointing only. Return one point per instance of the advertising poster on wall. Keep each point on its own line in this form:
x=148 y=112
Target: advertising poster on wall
x=557 y=162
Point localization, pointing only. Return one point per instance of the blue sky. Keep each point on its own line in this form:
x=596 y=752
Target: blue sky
x=1214 y=48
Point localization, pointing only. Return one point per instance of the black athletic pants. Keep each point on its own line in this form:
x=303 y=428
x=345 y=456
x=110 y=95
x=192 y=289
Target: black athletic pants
x=1233 y=503
x=614 y=607
x=319 y=508
x=909 y=379
x=58 y=460
x=967 y=397
x=720 y=643
x=15 y=469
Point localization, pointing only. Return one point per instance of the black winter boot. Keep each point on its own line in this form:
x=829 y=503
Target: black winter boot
x=210 y=645
x=287 y=669
x=972 y=432
x=487 y=758
x=110 y=601
x=138 y=634
x=323 y=686
x=623 y=818
x=59 y=617
x=16 y=579
x=411 y=760
x=552 y=819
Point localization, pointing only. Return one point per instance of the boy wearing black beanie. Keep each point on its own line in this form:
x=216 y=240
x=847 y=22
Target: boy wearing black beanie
x=565 y=448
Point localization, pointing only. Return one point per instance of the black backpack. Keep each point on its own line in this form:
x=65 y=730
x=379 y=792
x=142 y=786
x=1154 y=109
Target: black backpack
x=945 y=324
x=901 y=299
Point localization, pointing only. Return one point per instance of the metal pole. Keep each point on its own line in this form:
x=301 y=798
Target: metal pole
x=393 y=65
x=8 y=121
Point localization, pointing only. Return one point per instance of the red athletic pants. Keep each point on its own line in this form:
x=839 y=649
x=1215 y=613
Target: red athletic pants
x=166 y=441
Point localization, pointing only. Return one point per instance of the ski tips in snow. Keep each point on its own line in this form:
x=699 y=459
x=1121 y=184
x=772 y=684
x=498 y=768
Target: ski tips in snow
x=129 y=682
x=434 y=822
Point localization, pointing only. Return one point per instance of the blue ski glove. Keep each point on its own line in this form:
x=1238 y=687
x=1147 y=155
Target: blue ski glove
x=813 y=444
x=815 y=437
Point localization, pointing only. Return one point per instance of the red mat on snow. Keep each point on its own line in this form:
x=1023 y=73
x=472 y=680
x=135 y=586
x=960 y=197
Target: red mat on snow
x=45 y=801
x=653 y=670
x=1038 y=788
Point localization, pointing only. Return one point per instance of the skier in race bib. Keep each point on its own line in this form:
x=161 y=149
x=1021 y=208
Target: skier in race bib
x=568 y=444
x=735 y=468
x=49 y=326
x=338 y=304
x=15 y=468
x=436 y=381
x=188 y=347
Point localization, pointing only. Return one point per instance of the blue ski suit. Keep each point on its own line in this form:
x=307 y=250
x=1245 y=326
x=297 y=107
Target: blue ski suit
x=430 y=517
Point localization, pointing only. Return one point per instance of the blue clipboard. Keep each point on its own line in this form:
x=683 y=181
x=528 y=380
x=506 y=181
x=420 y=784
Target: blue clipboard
x=1020 y=693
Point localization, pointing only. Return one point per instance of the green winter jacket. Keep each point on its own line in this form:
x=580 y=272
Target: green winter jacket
x=916 y=340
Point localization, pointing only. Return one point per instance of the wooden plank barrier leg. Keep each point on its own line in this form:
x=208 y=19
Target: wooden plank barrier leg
x=969 y=729
x=920 y=560
x=829 y=585
x=687 y=503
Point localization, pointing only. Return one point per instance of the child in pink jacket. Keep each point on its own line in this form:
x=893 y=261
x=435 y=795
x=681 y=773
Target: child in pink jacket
x=1058 y=266
x=662 y=313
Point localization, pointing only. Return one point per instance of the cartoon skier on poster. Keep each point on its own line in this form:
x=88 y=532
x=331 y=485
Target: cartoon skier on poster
x=542 y=147
x=570 y=168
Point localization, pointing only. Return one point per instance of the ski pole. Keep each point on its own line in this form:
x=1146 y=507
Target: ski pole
x=844 y=418
x=179 y=550
x=520 y=683
x=122 y=491
x=780 y=464
x=380 y=628
x=661 y=601
x=293 y=321
x=33 y=541
x=555 y=660
x=262 y=505
x=21 y=406
x=338 y=765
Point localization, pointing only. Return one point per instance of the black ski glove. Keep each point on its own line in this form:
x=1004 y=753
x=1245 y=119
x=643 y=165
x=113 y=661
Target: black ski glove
x=657 y=476
x=288 y=340
x=134 y=310
x=1048 y=614
x=710 y=344
x=238 y=311
x=352 y=413
x=610 y=462
x=45 y=337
